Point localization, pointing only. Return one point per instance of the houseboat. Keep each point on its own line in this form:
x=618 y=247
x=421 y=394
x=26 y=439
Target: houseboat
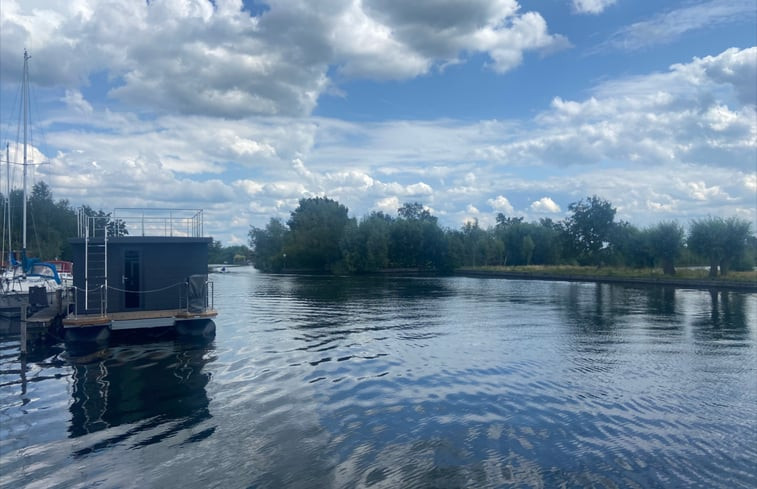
x=140 y=269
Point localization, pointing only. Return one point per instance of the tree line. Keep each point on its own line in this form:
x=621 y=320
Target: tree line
x=320 y=236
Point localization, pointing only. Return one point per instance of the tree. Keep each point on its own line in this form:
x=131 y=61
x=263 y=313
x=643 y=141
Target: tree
x=737 y=233
x=415 y=212
x=365 y=246
x=416 y=241
x=589 y=228
x=665 y=242
x=316 y=228
x=237 y=254
x=528 y=248
x=268 y=246
x=721 y=241
x=49 y=224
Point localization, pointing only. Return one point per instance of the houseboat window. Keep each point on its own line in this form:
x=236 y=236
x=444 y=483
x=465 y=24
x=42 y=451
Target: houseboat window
x=131 y=279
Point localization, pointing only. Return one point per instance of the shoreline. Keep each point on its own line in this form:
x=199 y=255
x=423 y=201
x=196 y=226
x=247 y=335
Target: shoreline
x=691 y=283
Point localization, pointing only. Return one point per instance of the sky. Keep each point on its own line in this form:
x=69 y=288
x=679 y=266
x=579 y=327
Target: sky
x=470 y=107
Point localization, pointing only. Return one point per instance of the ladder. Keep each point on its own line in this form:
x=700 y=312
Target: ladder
x=96 y=266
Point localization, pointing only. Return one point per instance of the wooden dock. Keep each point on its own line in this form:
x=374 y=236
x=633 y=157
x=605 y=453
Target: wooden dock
x=44 y=318
x=136 y=319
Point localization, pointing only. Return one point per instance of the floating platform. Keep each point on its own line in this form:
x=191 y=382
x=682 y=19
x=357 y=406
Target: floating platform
x=137 y=319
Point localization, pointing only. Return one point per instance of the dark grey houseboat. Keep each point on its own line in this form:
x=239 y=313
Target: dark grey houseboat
x=141 y=268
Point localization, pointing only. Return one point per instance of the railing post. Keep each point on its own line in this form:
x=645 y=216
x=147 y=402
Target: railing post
x=23 y=327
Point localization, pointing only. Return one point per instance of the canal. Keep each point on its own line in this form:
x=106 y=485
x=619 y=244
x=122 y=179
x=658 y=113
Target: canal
x=387 y=382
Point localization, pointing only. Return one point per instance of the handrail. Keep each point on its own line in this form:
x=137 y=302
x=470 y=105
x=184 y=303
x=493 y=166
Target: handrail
x=162 y=222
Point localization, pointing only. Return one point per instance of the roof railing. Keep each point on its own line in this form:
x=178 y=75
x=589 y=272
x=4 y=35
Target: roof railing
x=143 y=222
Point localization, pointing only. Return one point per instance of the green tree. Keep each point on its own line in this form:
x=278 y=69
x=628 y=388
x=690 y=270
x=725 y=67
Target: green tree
x=316 y=228
x=666 y=243
x=365 y=246
x=721 y=241
x=49 y=223
x=528 y=248
x=416 y=241
x=268 y=246
x=590 y=227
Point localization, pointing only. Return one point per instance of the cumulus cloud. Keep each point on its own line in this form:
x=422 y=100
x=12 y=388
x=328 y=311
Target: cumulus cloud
x=217 y=59
x=545 y=205
x=388 y=205
x=700 y=112
x=221 y=103
x=501 y=204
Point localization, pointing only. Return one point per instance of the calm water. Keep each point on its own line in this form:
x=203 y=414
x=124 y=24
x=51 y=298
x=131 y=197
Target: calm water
x=407 y=382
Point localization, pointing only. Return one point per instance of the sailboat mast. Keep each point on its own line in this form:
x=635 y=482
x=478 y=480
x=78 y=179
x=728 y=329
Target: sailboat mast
x=25 y=98
x=8 y=201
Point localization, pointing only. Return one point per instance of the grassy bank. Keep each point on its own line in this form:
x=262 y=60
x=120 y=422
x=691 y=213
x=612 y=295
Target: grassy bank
x=697 y=278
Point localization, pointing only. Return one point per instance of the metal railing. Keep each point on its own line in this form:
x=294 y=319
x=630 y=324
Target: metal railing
x=159 y=222
x=183 y=298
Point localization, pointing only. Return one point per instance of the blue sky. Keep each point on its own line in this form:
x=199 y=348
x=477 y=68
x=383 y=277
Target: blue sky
x=472 y=107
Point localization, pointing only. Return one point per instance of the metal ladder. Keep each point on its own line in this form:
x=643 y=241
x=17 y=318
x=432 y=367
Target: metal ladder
x=95 y=266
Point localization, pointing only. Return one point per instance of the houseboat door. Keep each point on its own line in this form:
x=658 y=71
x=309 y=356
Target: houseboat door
x=131 y=280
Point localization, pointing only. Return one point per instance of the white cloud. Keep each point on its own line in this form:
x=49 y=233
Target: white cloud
x=75 y=101
x=388 y=205
x=669 y=26
x=750 y=182
x=673 y=144
x=216 y=59
x=501 y=204
x=700 y=191
x=591 y=6
x=700 y=112
x=545 y=205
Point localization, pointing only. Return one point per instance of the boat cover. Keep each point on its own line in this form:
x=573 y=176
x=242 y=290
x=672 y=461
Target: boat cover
x=197 y=293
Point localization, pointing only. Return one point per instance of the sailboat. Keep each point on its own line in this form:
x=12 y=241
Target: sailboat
x=25 y=281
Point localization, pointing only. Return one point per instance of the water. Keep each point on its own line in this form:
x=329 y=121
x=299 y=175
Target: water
x=401 y=382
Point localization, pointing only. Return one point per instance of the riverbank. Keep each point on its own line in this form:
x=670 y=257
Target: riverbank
x=686 y=278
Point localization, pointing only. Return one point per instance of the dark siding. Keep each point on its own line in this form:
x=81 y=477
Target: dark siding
x=165 y=264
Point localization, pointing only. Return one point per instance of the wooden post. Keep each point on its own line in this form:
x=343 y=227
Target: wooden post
x=23 y=328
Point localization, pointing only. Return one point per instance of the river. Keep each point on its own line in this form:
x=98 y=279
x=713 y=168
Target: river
x=320 y=382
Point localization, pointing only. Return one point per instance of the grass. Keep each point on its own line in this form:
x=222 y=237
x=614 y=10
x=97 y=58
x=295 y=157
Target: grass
x=698 y=274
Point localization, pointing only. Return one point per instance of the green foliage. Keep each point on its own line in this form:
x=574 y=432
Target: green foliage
x=268 y=246
x=320 y=236
x=629 y=246
x=49 y=223
x=237 y=254
x=722 y=242
x=316 y=227
x=416 y=241
x=590 y=228
x=365 y=246
x=528 y=248
x=666 y=242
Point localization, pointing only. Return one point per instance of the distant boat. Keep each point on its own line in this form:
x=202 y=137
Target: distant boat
x=26 y=280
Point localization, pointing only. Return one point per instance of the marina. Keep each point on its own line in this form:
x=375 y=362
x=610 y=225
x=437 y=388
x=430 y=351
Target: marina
x=24 y=281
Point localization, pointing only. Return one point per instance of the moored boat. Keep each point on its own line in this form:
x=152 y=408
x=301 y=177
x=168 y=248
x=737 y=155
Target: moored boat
x=141 y=269
x=29 y=281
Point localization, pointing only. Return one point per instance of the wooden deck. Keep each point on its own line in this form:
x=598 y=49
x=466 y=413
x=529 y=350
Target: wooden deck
x=136 y=319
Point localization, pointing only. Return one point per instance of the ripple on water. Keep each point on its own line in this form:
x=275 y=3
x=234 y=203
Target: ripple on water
x=378 y=382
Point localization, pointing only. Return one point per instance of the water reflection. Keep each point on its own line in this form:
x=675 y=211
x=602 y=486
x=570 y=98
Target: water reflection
x=158 y=387
x=402 y=382
x=723 y=317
